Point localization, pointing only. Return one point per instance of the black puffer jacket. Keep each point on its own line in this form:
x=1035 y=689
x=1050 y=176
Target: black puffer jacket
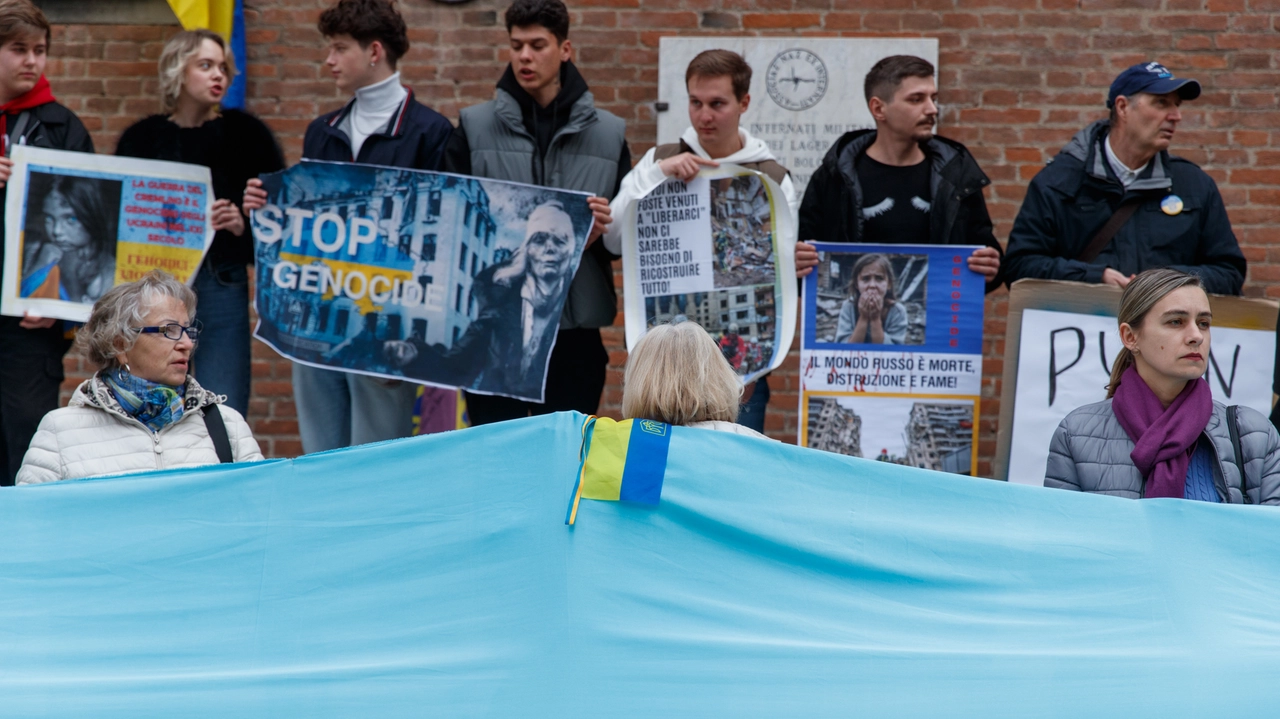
x=832 y=207
x=1077 y=192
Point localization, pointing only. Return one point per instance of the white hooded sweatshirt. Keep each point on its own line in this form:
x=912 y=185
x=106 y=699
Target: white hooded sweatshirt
x=647 y=175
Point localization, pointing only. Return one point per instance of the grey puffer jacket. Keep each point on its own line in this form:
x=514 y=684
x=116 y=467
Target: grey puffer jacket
x=1090 y=453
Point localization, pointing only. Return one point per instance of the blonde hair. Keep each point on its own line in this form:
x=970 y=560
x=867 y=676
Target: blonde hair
x=22 y=17
x=110 y=329
x=1140 y=295
x=676 y=374
x=174 y=58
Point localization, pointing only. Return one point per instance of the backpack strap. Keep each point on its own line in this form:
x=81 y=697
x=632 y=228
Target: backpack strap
x=218 y=433
x=772 y=168
x=1233 y=427
x=14 y=135
x=662 y=152
x=1109 y=230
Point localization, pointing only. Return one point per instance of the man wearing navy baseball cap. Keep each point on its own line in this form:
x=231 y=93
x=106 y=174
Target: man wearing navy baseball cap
x=1114 y=202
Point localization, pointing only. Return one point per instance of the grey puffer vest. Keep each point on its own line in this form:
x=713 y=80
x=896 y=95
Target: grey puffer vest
x=583 y=156
x=1090 y=453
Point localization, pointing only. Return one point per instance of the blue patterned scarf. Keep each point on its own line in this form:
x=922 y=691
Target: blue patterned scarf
x=151 y=403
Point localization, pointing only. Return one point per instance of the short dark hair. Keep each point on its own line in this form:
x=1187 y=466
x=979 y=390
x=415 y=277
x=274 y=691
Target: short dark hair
x=888 y=74
x=366 y=21
x=719 y=63
x=22 y=17
x=550 y=14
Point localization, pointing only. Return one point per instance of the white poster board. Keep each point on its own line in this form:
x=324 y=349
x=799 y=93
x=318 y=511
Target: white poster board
x=77 y=224
x=718 y=250
x=805 y=92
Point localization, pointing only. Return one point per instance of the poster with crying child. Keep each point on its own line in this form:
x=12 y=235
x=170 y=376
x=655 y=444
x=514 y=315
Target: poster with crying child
x=891 y=354
x=78 y=224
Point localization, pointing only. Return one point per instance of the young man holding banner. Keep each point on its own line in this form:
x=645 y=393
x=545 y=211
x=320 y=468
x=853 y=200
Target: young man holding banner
x=381 y=125
x=31 y=348
x=719 y=83
x=543 y=128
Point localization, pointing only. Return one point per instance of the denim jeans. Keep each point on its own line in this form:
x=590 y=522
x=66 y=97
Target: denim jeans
x=222 y=355
x=341 y=409
x=751 y=413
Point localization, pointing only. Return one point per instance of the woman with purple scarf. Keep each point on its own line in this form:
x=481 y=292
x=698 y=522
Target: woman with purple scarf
x=1159 y=433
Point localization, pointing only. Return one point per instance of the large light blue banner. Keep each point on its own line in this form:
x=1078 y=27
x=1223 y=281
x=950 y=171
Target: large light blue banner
x=436 y=577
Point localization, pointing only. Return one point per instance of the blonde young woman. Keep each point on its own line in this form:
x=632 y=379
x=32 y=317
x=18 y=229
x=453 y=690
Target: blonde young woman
x=195 y=72
x=1159 y=433
x=676 y=374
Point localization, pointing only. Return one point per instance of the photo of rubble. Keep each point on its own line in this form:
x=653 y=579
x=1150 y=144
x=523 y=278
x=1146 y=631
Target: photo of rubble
x=741 y=232
x=742 y=321
x=930 y=434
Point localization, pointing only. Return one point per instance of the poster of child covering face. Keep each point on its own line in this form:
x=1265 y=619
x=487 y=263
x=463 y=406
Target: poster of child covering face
x=434 y=278
x=718 y=250
x=891 y=354
x=80 y=224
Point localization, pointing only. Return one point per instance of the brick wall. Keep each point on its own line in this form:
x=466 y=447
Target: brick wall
x=1018 y=78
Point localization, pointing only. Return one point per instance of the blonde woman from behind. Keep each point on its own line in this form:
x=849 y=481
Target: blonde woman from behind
x=676 y=374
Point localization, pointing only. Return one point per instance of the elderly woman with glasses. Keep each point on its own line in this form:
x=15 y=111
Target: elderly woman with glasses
x=142 y=411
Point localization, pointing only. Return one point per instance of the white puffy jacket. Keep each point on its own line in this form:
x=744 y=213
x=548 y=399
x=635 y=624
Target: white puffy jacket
x=93 y=437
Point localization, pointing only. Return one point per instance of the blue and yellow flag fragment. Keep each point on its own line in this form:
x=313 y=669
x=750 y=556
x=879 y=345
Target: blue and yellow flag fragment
x=621 y=462
x=435 y=576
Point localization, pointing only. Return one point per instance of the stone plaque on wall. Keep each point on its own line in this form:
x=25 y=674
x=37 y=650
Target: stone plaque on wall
x=805 y=92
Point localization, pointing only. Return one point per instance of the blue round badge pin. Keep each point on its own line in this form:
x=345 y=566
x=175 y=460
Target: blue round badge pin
x=1171 y=205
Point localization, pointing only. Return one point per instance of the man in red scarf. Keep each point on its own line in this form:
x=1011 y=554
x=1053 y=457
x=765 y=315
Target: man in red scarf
x=31 y=348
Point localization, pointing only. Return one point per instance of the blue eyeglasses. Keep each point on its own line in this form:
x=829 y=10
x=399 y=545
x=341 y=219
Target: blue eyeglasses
x=172 y=331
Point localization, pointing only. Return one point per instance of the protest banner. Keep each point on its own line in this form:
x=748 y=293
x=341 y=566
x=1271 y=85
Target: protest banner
x=1062 y=340
x=891 y=355
x=424 y=276
x=79 y=224
x=435 y=576
x=718 y=250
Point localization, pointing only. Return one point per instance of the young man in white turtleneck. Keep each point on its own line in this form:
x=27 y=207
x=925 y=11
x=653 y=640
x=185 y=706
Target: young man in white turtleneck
x=718 y=82
x=381 y=125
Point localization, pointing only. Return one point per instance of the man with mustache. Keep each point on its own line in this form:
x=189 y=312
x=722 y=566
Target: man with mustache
x=900 y=183
x=1114 y=202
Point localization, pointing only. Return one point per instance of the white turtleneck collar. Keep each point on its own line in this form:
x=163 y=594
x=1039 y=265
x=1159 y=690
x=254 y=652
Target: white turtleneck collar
x=372 y=110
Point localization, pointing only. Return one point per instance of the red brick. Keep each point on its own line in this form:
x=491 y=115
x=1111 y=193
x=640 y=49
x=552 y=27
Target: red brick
x=780 y=20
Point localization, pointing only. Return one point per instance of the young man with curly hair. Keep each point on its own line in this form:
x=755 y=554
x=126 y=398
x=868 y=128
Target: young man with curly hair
x=382 y=124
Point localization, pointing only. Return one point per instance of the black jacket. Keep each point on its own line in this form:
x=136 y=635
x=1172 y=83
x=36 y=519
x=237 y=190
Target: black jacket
x=831 y=210
x=1077 y=192
x=235 y=146
x=414 y=138
x=52 y=126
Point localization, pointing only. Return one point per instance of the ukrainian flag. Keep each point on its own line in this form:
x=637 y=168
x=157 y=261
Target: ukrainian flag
x=622 y=461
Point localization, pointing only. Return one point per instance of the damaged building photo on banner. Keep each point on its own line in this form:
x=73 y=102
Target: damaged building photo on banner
x=435 y=278
x=82 y=223
x=891 y=355
x=717 y=250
